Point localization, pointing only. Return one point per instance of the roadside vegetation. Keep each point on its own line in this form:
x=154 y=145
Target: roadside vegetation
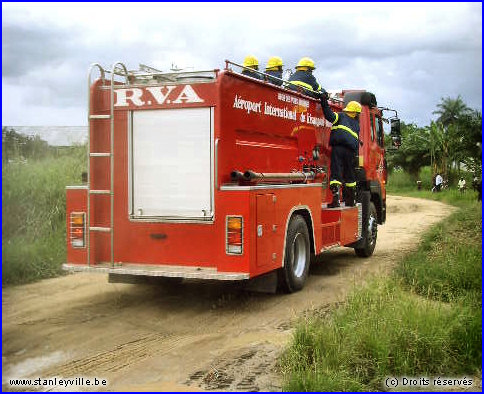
x=34 y=176
x=448 y=145
x=424 y=320
x=401 y=183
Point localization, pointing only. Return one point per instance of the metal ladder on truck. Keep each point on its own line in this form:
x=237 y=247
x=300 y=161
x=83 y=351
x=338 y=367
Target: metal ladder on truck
x=117 y=69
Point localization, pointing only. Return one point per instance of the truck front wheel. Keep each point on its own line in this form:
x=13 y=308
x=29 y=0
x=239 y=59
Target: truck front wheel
x=297 y=256
x=370 y=232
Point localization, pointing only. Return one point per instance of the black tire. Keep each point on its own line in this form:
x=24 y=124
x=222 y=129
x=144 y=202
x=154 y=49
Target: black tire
x=370 y=232
x=293 y=275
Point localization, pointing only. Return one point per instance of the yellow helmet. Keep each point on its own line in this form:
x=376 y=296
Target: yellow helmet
x=251 y=61
x=306 y=62
x=274 y=62
x=353 y=106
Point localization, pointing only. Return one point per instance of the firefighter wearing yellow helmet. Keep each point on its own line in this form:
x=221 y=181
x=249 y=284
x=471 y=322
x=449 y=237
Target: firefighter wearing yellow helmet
x=251 y=63
x=304 y=78
x=274 y=69
x=344 y=141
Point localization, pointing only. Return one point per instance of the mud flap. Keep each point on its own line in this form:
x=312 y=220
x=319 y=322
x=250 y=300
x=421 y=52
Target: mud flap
x=365 y=198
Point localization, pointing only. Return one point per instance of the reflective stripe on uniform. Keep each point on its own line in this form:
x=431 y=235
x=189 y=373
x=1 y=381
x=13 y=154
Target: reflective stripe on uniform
x=335 y=183
x=336 y=117
x=345 y=129
x=351 y=184
x=303 y=84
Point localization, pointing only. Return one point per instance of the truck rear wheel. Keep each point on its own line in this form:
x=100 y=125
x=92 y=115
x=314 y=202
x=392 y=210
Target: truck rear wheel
x=292 y=276
x=370 y=232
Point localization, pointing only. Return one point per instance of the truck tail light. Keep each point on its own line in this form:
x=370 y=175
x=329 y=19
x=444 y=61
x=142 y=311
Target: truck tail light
x=78 y=229
x=234 y=234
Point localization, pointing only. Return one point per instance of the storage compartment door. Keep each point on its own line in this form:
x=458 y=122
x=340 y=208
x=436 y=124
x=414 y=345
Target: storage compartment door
x=171 y=164
x=266 y=230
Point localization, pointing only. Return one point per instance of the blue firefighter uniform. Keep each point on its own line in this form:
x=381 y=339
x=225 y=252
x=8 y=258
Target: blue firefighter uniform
x=251 y=73
x=277 y=74
x=307 y=80
x=344 y=140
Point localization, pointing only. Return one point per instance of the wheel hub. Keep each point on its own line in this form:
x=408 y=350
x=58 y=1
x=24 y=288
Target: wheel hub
x=299 y=254
x=372 y=229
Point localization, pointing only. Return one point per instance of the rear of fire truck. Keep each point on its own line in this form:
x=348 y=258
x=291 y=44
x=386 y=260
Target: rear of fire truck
x=204 y=175
x=148 y=208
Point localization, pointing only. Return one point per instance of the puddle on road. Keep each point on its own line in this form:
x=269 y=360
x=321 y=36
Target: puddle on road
x=30 y=366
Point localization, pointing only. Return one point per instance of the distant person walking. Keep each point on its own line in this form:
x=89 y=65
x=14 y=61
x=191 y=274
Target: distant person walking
x=462 y=185
x=438 y=182
x=477 y=186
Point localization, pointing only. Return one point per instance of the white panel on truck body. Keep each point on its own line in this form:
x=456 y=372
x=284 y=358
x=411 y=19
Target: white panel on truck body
x=171 y=174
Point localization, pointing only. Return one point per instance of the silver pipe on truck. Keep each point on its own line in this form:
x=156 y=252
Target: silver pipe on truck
x=251 y=176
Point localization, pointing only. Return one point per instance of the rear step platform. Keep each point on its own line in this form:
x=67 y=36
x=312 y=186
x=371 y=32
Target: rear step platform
x=168 y=271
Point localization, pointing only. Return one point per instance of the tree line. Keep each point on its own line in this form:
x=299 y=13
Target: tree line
x=448 y=145
x=16 y=146
x=19 y=147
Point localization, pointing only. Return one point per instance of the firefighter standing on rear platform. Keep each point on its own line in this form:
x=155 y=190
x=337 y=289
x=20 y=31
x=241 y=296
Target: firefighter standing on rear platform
x=344 y=141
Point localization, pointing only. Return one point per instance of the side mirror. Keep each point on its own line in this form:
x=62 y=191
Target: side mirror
x=395 y=132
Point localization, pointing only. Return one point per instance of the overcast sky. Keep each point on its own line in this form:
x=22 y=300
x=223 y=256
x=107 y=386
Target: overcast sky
x=409 y=54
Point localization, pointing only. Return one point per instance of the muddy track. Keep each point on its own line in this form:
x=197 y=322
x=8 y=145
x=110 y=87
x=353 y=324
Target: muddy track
x=192 y=336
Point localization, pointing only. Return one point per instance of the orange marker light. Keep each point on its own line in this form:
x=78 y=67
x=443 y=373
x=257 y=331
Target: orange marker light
x=234 y=234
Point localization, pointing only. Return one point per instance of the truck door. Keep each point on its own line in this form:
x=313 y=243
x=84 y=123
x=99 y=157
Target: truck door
x=376 y=149
x=380 y=164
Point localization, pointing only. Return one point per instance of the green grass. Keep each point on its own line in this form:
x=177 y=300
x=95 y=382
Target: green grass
x=452 y=252
x=400 y=180
x=33 y=212
x=452 y=196
x=425 y=320
x=382 y=331
x=403 y=184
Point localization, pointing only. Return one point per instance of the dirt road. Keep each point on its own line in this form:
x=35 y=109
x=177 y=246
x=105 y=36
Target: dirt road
x=187 y=337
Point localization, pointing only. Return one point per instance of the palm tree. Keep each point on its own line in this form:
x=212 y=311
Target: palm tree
x=450 y=110
x=446 y=133
x=439 y=148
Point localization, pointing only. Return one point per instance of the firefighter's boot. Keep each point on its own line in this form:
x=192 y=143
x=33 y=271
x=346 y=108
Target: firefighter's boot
x=349 y=194
x=335 y=202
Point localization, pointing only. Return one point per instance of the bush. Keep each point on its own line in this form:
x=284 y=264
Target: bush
x=33 y=210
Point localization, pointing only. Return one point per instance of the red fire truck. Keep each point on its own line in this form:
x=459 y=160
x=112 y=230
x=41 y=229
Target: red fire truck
x=216 y=175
